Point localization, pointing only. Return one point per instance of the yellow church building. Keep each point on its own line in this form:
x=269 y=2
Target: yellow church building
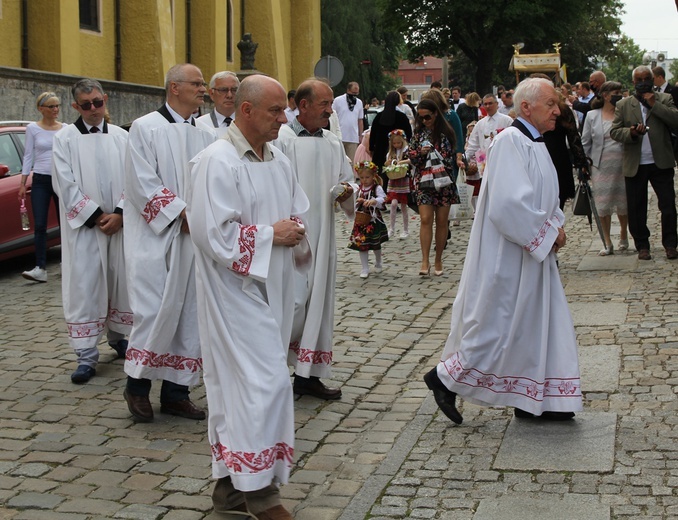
x=137 y=41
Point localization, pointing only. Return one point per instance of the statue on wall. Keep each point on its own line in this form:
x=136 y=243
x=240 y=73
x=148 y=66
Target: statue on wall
x=247 y=49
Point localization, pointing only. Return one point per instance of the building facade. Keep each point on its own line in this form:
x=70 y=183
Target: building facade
x=137 y=41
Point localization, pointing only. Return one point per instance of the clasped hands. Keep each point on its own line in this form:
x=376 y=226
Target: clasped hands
x=287 y=233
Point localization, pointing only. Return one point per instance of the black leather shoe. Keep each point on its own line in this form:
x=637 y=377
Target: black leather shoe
x=82 y=374
x=671 y=253
x=314 y=387
x=644 y=254
x=545 y=416
x=445 y=399
x=522 y=414
x=184 y=408
x=139 y=406
x=120 y=348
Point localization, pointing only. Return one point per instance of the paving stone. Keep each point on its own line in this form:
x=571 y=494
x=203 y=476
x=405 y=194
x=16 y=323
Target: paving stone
x=602 y=313
x=553 y=508
x=599 y=366
x=583 y=444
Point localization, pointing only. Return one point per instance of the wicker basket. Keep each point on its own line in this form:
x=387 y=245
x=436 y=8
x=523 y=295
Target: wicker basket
x=362 y=218
x=396 y=171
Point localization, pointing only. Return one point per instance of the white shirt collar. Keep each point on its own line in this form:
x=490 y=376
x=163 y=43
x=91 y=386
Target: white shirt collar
x=535 y=133
x=100 y=126
x=177 y=117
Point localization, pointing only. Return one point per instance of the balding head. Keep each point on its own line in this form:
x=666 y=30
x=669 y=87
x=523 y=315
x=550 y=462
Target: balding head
x=596 y=79
x=260 y=110
x=185 y=89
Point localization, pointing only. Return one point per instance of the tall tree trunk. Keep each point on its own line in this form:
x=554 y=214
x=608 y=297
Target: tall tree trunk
x=485 y=66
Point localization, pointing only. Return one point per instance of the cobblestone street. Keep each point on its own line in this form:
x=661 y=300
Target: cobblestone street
x=382 y=451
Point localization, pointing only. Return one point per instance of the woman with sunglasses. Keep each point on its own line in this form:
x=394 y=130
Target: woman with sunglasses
x=38 y=159
x=432 y=131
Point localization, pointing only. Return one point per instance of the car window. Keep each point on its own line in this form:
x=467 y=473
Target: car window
x=9 y=155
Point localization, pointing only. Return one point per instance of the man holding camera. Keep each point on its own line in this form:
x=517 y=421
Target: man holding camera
x=642 y=123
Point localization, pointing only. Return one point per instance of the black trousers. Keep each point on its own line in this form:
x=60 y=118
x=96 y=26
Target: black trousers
x=169 y=392
x=636 y=197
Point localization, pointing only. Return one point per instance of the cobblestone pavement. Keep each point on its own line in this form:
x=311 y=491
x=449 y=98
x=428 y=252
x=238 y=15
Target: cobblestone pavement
x=382 y=451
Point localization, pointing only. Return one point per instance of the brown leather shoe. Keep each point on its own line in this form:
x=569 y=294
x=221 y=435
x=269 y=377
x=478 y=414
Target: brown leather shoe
x=275 y=513
x=313 y=386
x=184 y=408
x=139 y=406
x=644 y=254
x=671 y=253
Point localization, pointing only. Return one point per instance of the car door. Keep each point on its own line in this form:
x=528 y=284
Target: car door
x=11 y=156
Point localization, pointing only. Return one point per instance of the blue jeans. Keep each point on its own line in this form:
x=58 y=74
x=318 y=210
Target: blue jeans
x=41 y=194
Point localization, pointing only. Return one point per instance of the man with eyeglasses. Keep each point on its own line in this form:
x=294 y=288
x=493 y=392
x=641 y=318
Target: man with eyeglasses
x=481 y=138
x=87 y=175
x=164 y=342
x=223 y=87
x=642 y=123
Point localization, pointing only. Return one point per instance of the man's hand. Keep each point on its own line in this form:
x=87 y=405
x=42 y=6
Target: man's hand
x=560 y=241
x=287 y=233
x=649 y=98
x=638 y=130
x=184 y=222
x=109 y=223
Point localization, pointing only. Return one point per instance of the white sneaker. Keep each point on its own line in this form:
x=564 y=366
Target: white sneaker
x=36 y=274
x=378 y=269
x=391 y=232
x=404 y=234
x=364 y=274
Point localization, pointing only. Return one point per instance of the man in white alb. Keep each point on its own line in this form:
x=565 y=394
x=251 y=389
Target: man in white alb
x=321 y=165
x=223 y=87
x=245 y=217
x=164 y=343
x=88 y=177
x=349 y=109
x=512 y=341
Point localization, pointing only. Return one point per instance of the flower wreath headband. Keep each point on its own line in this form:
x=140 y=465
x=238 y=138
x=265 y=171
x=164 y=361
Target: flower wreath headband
x=397 y=132
x=365 y=165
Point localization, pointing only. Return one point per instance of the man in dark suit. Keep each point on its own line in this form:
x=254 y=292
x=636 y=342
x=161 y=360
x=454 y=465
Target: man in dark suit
x=643 y=123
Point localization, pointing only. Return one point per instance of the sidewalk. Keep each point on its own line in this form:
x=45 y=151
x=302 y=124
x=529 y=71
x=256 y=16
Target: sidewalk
x=73 y=452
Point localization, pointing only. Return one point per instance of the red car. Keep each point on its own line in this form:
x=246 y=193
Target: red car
x=14 y=241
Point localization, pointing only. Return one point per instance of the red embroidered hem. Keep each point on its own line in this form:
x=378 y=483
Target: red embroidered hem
x=250 y=462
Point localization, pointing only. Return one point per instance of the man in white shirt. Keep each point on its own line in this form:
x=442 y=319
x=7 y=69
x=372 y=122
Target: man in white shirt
x=485 y=131
x=223 y=87
x=456 y=98
x=291 y=111
x=349 y=110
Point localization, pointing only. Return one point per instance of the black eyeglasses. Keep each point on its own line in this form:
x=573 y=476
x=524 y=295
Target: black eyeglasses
x=226 y=90
x=426 y=117
x=87 y=105
x=196 y=84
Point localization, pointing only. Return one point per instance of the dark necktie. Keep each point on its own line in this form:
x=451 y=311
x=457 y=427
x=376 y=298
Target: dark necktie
x=228 y=121
x=93 y=130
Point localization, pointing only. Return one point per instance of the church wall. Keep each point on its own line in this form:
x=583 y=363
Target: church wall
x=10 y=28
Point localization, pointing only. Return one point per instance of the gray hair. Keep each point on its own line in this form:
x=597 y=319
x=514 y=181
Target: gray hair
x=529 y=90
x=176 y=74
x=85 y=86
x=490 y=96
x=641 y=69
x=223 y=75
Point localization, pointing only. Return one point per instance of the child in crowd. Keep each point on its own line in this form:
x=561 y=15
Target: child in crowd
x=369 y=230
x=362 y=153
x=398 y=188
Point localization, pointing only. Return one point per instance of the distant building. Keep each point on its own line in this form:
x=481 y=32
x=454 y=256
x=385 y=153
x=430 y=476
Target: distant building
x=417 y=77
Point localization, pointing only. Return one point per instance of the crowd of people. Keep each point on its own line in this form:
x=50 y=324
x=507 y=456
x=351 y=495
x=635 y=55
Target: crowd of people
x=205 y=246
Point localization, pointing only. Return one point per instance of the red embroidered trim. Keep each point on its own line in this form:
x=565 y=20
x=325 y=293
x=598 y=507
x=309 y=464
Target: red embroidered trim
x=246 y=242
x=153 y=360
x=551 y=387
x=536 y=241
x=88 y=329
x=75 y=211
x=247 y=462
x=306 y=355
x=122 y=317
x=155 y=205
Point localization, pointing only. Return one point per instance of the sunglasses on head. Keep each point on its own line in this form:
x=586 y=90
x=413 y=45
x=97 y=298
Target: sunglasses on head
x=87 y=105
x=426 y=117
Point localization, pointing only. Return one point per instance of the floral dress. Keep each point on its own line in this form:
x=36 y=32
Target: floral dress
x=430 y=196
x=370 y=236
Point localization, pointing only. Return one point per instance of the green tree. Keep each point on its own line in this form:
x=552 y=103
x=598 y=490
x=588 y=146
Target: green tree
x=485 y=31
x=673 y=69
x=354 y=32
x=618 y=65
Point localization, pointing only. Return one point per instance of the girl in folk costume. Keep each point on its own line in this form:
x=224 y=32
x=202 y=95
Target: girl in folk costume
x=362 y=153
x=369 y=230
x=398 y=188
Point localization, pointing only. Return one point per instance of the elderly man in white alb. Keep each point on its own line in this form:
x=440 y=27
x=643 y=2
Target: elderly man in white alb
x=349 y=110
x=512 y=341
x=164 y=343
x=88 y=176
x=321 y=166
x=223 y=87
x=245 y=216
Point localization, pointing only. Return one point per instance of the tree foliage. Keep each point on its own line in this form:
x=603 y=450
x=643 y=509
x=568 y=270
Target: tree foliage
x=354 y=32
x=484 y=32
x=619 y=64
x=673 y=69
